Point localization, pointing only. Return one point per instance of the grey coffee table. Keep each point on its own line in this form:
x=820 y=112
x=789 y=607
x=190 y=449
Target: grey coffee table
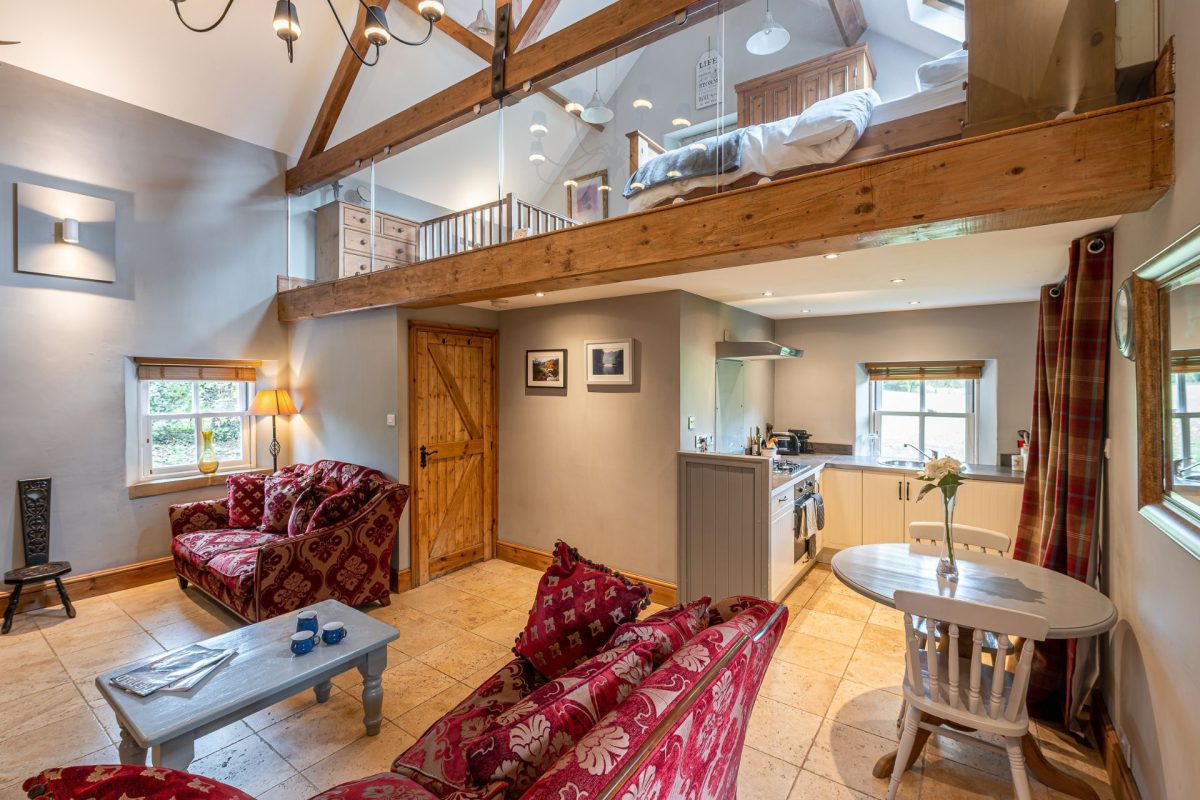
x=263 y=672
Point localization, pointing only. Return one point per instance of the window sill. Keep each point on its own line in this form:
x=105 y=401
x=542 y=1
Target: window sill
x=172 y=485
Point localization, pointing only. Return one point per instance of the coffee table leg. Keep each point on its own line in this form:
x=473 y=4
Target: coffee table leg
x=372 y=697
x=130 y=751
x=175 y=754
x=322 y=690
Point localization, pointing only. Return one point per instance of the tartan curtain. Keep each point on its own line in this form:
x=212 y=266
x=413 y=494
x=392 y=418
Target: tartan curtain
x=1060 y=509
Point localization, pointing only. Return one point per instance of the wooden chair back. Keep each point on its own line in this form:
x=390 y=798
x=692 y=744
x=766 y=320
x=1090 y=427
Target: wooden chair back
x=941 y=653
x=966 y=536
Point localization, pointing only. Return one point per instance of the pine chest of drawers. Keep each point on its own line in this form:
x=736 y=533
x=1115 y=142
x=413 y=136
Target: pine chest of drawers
x=344 y=241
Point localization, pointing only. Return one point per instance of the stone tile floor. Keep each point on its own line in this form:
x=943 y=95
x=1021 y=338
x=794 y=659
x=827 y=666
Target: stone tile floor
x=826 y=711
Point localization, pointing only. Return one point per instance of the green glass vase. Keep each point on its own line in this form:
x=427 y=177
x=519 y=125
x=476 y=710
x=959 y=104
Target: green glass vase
x=208 y=463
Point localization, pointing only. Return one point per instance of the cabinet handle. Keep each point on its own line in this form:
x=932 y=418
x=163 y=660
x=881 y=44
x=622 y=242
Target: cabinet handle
x=899 y=490
x=782 y=500
x=907 y=490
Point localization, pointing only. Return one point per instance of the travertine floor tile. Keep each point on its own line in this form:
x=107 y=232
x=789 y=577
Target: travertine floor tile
x=876 y=671
x=249 y=764
x=469 y=614
x=463 y=655
x=366 y=755
x=409 y=685
x=296 y=787
x=316 y=732
x=762 y=776
x=417 y=720
x=811 y=786
x=798 y=687
x=280 y=711
x=883 y=640
x=945 y=779
x=193 y=629
x=479 y=676
x=47 y=746
x=418 y=631
x=102 y=657
x=36 y=674
x=433 y=597
x=846 y=755
x=67 y=636
x=839 y=604
x=781 y=731
x=24 y=714
x=866 y=708
x=503 y=628
x=810 y=652
x=829 y=626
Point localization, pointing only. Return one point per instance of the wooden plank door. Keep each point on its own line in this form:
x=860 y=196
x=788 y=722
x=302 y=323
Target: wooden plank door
x=452 y=447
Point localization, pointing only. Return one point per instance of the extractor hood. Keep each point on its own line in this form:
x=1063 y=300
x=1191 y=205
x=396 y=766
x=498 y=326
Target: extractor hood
x=755 y=351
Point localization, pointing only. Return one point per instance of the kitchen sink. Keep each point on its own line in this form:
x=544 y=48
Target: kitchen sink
x=900 y=462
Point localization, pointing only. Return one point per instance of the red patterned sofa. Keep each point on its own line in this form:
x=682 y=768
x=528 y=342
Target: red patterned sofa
x=678 y=734
x=339 y=548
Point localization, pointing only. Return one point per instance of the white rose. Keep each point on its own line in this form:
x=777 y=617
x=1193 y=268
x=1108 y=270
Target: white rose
x=938 y=468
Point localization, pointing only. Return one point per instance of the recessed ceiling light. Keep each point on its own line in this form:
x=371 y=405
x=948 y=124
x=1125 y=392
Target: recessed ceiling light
x=830 y=256
x=806 y=311
x=897 y=280
x=914 y=302
x=540 y=294
x=768 y=294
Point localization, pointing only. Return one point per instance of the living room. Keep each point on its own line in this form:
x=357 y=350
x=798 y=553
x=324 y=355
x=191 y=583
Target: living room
x=570 y=410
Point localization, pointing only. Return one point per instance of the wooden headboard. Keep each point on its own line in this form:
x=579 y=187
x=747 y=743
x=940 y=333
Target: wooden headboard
x=789 y=91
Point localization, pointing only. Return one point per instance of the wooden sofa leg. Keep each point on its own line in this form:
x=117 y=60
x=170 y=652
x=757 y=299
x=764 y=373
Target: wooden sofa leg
x=183 y=583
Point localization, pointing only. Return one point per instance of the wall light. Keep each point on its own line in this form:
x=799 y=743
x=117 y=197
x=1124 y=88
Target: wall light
x=768 y=294
x=914 y=302
x=540 y=294
x=70 y=231
x=830 y=256
x=806 y=311
x=897 y=280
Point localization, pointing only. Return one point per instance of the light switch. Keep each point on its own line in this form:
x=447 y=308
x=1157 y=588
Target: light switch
x=391 y=420
x=691 y=423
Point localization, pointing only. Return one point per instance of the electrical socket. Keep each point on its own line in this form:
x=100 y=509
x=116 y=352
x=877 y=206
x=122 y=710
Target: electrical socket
x=691 y=423
x=391 y=420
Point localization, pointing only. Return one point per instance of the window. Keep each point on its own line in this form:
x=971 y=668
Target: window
x=930 y=405
x=1185 y=414
x=178 y=402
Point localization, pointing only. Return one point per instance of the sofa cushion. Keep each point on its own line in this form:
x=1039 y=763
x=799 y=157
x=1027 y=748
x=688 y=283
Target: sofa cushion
x=200 y=547
x=666 y=631
x=245 y=500
x=306 y=505
x=280 y=493
x=530 y=736
x=436 y=760
x=235 y=570
x=578 y=606
x=342 y=505
x=105 y=782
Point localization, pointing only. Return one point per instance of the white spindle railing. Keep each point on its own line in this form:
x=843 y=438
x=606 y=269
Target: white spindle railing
x=486 y=225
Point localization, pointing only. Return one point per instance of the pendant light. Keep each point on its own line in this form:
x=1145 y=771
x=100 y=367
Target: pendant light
x=596 y=112
x=682 y=116
x=537 y=154
x=482 y=26
x=770 y=38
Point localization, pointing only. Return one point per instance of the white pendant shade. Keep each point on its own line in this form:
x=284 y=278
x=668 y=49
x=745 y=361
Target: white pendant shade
x=596 y=112
x=482 y=26
x=771 y=38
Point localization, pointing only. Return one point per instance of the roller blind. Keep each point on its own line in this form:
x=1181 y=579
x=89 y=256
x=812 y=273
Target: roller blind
x=1185 y=361
x=172 y=369
x=924 y=370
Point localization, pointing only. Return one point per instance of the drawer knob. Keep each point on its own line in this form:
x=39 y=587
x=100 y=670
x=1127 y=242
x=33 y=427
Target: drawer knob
x=362 y=241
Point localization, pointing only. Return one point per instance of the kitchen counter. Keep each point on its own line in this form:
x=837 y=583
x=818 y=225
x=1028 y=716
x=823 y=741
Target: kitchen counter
x=979 y=472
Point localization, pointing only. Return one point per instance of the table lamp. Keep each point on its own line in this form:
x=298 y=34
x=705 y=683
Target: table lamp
x=272 y=402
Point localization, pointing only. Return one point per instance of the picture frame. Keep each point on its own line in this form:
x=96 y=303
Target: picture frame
x=609 y=362
x=546 y=369
x=587 y=197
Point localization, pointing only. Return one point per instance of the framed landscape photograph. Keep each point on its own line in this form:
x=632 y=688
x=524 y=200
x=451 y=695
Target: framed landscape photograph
x=587 y=201
x=545 y=369
x=609 y=362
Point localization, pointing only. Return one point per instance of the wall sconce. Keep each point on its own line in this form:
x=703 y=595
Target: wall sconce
x=69 y=230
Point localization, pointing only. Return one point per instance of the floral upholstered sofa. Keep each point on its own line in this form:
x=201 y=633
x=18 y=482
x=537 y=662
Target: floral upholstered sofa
x=309 y=532
x=597 y=705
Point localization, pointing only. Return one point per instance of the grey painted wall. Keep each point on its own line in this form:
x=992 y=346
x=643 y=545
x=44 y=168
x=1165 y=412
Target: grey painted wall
x=1150 y=679
x=349 y=372
x=595 y=467
x=200 y=238
x=821 y=391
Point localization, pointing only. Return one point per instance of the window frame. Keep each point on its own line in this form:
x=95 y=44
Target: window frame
x=971 y=415
x=146 y=471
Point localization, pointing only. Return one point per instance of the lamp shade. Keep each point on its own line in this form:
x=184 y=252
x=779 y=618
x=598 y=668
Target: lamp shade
x=272 y=402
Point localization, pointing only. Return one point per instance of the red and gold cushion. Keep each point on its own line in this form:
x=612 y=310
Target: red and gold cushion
x=339 y=507
x=280 y=493
x=200 y=547
x=109 y=782
x=436 y=760
x=666 y=631
x=246 y=497
x=306 y=505
x=578 y=606
x=529 y=737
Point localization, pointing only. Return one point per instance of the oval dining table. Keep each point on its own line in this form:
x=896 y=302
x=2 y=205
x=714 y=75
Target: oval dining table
x=1073 y=610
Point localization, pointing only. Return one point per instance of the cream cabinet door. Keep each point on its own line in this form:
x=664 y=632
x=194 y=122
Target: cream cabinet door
x=883 y=507
x=929 y=509
x=842 y=491
x=782 y=551
x=994 y=505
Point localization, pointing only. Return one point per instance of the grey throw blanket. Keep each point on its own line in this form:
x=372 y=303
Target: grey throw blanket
x=720 y=154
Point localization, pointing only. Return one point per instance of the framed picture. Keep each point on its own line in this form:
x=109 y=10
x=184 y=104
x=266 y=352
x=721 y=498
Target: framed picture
x=609 y=362
x=546 y=369
x=586 y=200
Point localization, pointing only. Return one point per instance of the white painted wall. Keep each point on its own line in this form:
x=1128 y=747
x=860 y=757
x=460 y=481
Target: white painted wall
x=1151 y=683
x=200 y=239
x=825 y=390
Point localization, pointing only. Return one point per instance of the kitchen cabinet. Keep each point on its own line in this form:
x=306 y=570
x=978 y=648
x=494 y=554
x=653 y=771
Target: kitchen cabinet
x=842 y=490
x=782 y=538
x=883 y=507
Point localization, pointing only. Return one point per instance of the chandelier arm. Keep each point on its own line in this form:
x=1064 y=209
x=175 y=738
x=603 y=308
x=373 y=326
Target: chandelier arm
x=350 y=44
x=220 y=19
x=428 y=33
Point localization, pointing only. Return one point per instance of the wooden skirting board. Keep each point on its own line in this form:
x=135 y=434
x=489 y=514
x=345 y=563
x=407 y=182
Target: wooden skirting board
x=1120 y=776
x=1115 y=161
x=661 y=592
x=93 y=584
x=401 y=580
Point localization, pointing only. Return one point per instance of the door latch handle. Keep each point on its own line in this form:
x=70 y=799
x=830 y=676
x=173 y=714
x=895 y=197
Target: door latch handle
x=425 y=454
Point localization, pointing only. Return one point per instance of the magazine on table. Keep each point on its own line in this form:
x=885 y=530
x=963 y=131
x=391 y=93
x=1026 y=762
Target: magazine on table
x=176 y=671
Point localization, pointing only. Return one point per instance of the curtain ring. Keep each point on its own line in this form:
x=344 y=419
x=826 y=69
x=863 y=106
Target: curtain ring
x=1056 y=292
x=1096 y=246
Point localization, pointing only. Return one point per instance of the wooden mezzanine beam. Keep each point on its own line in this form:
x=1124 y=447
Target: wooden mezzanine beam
x=1114 y=161
x=571 y=51
x=532 y=23
x=850 y=18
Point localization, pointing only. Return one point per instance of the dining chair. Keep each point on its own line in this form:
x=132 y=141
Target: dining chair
x=966 y=536
x=942 y=687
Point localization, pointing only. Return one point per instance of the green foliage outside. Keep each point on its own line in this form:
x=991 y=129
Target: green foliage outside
x=174 y=441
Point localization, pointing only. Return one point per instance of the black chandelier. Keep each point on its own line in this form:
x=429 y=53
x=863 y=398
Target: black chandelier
x=287 y=25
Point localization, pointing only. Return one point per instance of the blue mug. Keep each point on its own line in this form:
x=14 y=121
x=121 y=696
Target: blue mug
x=333 y=632
x=307 y=621
x=303 y=642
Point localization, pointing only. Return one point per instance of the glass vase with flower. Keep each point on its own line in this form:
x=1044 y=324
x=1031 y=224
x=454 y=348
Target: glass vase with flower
x=945 y=474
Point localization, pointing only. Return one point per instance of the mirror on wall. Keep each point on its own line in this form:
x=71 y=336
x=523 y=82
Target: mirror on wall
x=1182 y=382
x=731 y=407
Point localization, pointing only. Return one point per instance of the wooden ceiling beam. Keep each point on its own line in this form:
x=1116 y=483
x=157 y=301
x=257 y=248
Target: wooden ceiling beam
x=1114 y=161
x=459 y=33
x=622 y=26
x=532 y=23
x=339 y=88
x=850 y=18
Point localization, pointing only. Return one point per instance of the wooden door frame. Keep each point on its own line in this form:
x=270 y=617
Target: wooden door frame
x=415 y=327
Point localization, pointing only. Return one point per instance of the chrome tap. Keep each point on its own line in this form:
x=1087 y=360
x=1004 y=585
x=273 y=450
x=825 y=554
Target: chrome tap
x=923 y=453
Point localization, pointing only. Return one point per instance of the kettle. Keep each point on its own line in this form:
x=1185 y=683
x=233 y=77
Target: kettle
x=787 y=443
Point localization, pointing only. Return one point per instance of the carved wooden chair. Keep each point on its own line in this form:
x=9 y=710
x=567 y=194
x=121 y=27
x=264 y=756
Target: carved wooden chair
x=942 y=688
x=33 y=497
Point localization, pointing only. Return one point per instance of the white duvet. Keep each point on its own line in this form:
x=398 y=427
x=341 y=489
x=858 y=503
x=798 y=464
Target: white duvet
x=825 y=132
